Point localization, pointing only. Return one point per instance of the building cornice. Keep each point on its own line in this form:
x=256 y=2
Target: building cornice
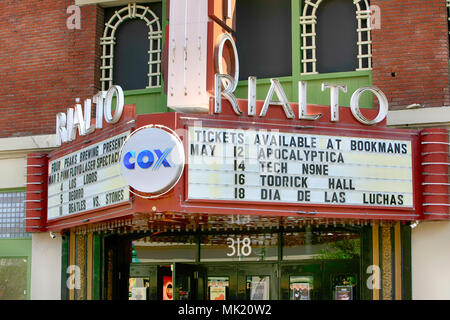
x=19 y=146
x=419 y=117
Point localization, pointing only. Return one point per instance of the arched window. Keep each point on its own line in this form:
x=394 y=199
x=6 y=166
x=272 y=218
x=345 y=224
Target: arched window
x=263 y=38
x=341 y=40
x=122 y=62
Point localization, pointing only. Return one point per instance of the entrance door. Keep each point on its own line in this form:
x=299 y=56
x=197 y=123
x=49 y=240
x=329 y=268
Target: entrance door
x=341 y=279
x=222 y=281
x=301 y=281
x=143 y=281
x=258 y=281
x=323 y=280
x=189 y=282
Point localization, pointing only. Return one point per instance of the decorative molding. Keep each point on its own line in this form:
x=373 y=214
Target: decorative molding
x=386 y=257
x=81 y=262
x=398 y=261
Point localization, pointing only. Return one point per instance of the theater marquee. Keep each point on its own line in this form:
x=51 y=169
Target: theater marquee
x=87 y=179
x=298 y=168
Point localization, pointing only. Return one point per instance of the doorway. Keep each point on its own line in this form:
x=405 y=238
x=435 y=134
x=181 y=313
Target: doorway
x=304 y=264
x=301 y=280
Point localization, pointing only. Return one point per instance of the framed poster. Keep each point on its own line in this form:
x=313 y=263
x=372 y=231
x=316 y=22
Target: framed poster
x=167 y=288
x=139 y=293
x=344 y=293
x=259 y=287
x=301 y=287
x=218 y=293
x=138 y=288
x=218 y=288
x=300 y=291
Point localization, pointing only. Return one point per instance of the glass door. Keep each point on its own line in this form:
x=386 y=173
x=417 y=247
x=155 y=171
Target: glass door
x=222 y=282
x=189 y=282
x=143 y=282
x=301 y=281
x=341 y=278
x=258 y=281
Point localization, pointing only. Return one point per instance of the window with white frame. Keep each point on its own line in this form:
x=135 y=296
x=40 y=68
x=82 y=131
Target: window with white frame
x=335 y=36
x=131 y=47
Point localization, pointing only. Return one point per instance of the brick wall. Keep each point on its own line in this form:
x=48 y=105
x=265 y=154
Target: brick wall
x=44 y=66
x=410 y=52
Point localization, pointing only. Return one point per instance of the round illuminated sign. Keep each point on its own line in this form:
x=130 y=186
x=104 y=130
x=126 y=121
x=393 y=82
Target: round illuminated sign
x=152 y=160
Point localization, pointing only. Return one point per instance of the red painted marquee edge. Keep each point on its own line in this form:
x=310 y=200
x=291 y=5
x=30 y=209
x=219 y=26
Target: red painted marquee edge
x=172 y=202
x=176 y=200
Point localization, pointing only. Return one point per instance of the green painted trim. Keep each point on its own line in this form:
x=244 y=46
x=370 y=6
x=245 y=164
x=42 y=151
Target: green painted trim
x=137 y=92
x=18 y=248
x=334 y=75
x=405 y=232
x=15 y=247
x=86 y=266
x=160 y=90
x=296 y=45
x=65 y=247
x=103 y=293
x=14 y=190
x=96 y=272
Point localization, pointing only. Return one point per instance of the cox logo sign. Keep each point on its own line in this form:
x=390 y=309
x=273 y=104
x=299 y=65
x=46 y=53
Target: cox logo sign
x=152 y=160
x=145 y=159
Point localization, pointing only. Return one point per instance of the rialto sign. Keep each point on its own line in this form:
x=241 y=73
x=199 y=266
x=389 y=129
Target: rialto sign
x=225 y=85
x=79 y=118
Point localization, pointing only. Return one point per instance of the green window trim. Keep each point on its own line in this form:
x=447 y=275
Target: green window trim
x=18 y=249
x=352 y=79
x=129 y=93
x=344 y=75
x=151 y=100
x=19 y=189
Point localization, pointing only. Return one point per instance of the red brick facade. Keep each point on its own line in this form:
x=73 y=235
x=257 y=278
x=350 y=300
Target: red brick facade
x=44 y=66
x=410 y=53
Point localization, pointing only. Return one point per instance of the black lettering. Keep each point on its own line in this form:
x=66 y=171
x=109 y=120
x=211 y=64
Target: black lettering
x=303 y=195
x=90 y=178
x=115 y=196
